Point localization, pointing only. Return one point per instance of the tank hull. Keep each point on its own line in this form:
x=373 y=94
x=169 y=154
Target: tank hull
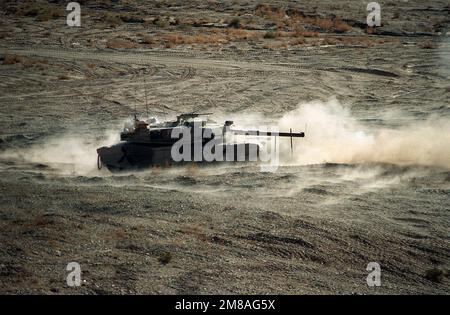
x=128 y=156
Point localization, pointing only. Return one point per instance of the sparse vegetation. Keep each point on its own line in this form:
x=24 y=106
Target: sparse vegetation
x=235 y=23
x=165 y=258
x=436 y=275
x=214 y=37
x=282 y=19
x=131 y=18
x=41 y=11
x=161 y=22
x=112 y=20
x=11 y=59
x=184 y=27
x=306 y=34
x=370 y=30
x=239 y=34
x=118 y=43
x=117 y=19
x=63 y=77
x=50 y=14
x=146 y=39
x=196 y=231
x=428 y=44
x=275 y=14
x=40 y=220
x=270 y=35
x=178 y=39
x=297 y=41
x=120 y=234
x=330 y=41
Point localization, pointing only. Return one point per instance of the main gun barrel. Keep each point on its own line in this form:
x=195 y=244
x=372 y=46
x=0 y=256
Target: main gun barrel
x=268 y=133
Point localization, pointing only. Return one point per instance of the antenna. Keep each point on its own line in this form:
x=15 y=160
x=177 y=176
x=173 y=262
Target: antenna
x=135 y=103
x=292 y=147
x=146 y=103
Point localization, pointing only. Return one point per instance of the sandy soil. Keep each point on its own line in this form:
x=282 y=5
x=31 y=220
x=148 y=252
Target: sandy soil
x=369 y=183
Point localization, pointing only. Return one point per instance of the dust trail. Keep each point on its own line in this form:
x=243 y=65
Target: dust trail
x=66 y=154
x=335 y=136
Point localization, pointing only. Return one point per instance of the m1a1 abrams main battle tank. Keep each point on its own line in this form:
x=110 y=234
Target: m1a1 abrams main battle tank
x=191 y=138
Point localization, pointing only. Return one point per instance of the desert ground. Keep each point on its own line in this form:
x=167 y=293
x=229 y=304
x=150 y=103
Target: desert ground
x=370 y=182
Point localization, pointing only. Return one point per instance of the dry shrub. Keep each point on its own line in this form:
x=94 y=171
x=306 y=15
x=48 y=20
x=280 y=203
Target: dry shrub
x=275 y=14
x=9 y=59
x=42 y=11
x=161 y=22
x=428 y=44
x=139 y=228
x=147 y=23
x=165 y=258
x=270 y=35
x=40 y=220
x=370 y=30
x=238 y=34
x=300 y=32
x=281 y=18
x=110 y=19
x=214 y=37
x=276 y=45
x=168 y=45
x=184 y=27
x=49 y=13
x=341 y=26
x=364 y=41
x=131 y=18
x=436 y=274
x=330 y=41
x=120 y=234
x=326 y=24
x=148 y=40
x=116 y=234
x=297 y=41
x=196 y=231
x=283 y=34
x=178 y=39
x=235 y=22
x=91 y=42
x=12 y=59
x=118 y=43
x=27 y=10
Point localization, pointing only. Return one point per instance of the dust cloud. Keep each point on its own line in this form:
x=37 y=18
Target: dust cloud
x=334 y=135
x=67 y=154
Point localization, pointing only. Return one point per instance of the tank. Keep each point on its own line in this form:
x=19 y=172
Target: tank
x=191 y=138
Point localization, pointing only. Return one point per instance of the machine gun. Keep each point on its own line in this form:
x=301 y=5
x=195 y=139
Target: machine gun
x=186 y=116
